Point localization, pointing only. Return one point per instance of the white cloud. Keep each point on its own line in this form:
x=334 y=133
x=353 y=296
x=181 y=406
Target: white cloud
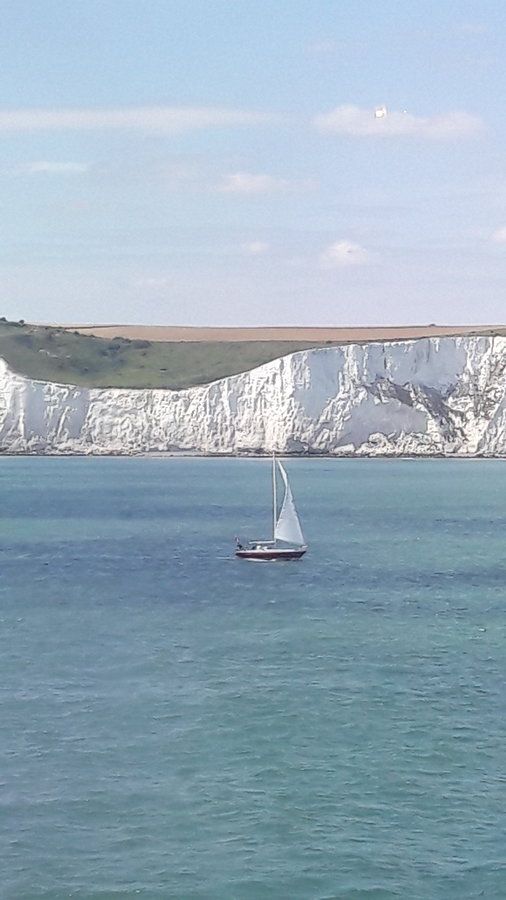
x=353 y=120
x=323 y=47
x=50 y=168
x=153 y=283
x=144 y=118
x=472 y=28
x=343 y=253
x=255 y=248
x=246 y=183
x=499 y=235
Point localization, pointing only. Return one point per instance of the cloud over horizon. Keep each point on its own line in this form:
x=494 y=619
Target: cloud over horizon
x=248 y=183
x=499 y=235
x=360 y=122
x=343 y=253
x=255 y=248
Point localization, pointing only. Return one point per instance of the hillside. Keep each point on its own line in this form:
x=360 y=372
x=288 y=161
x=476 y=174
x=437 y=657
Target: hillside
x=60 y=355
x=127 y=356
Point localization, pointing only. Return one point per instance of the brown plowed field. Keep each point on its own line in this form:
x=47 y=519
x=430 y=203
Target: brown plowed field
x=283 y=333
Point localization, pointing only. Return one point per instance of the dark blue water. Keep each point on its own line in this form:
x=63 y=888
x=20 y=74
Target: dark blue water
x=178 y=724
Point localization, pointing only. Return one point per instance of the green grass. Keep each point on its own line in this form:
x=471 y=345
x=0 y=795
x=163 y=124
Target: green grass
x=66 y=357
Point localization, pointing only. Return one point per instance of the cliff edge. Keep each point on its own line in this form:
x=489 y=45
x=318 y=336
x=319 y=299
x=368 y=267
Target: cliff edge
x=425 y=397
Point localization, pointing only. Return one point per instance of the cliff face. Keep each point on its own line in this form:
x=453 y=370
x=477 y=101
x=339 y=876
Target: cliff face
x=428 y=396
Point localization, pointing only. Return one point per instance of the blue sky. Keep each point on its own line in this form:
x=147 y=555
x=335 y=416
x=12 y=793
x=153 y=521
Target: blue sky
x=242 y=163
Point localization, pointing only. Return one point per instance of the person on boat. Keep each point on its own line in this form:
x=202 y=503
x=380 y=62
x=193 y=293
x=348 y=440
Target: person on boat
x=238 y=545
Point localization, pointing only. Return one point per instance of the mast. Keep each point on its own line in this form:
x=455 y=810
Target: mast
x=274 y=498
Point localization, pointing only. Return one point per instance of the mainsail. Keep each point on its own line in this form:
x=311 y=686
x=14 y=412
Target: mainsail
x=288 y=526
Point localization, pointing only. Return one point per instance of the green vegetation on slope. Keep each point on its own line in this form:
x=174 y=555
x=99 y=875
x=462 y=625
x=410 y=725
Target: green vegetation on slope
x=67 y=357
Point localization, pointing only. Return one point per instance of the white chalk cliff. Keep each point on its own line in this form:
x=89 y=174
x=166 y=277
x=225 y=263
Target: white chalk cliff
x=427 y=396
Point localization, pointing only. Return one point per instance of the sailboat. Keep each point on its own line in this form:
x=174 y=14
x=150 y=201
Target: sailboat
x=287 y=538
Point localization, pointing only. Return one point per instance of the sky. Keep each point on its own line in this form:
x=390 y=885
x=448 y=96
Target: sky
x=249 y=162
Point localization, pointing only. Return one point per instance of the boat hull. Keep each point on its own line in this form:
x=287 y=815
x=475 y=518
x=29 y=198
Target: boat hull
x=271 y=555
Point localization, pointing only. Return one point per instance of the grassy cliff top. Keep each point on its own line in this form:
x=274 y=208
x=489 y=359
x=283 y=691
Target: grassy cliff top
x=65 y=356
x=68 y=357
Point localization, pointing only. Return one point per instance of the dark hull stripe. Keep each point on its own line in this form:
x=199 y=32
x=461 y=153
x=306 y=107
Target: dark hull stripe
x=269 y=555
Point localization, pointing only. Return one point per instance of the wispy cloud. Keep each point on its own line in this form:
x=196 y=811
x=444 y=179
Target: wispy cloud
x=153 y=283
x=324 y=47
x=343 y=253
x=472 y=28
x=499 y=235
x=49 y=168
x=144 y=118
x=255 y=248
x=359 y=122
x=247 y=183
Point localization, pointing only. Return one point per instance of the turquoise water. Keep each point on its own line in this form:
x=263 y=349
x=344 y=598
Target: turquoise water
x=178 y=724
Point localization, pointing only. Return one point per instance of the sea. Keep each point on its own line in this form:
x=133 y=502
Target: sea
x=176 y=723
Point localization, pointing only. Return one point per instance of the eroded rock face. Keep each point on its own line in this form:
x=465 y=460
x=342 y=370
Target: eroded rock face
x=428 y=396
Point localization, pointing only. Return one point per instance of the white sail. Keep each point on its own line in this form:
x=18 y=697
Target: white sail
x=288 y=526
